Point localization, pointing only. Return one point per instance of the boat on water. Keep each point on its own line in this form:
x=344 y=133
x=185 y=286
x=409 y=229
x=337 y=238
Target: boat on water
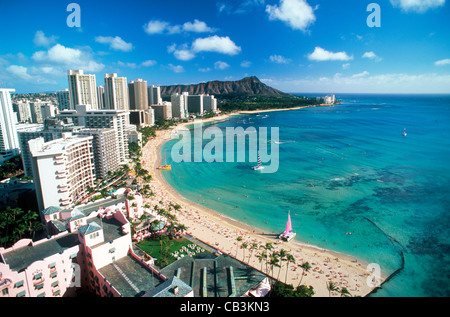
x=165 y=166
x=404 y=133
x=259 y=166
x=288 y=234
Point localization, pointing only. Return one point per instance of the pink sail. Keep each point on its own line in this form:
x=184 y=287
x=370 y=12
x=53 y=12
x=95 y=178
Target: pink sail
x=288 y=225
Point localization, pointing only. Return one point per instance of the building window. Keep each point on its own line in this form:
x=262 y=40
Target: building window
x=21 y=294
x=18 y=284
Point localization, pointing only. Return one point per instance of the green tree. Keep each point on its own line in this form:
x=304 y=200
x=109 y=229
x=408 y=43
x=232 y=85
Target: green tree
x=280 y=289
x=253 y=247
x=244 y=247
x=289 y=259
x=306 y=267
x=344 y=292
x=238 y=239
x=274 y=261
x=262 y=257
x=331 y=287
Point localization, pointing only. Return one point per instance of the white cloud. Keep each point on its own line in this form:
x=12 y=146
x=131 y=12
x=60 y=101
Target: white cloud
x=197 y=27
x=30 y=75
x=204 y=70
x=148 y=63
x=221 y=65
x=246 y=64
x=442 y=62
x=162 y=27
x=360 y=75
x=66 y=58
x=372 y=55
x=115 y=43
x=298 y=14
x=58 y=54
x=345 y=66
x=320 y=55
x=419 y=6
x=279 y=59
x=129 y=65
x=176 y=68
x=215 y=44
x=183 y=53
x=19 y=71
x=41 y=40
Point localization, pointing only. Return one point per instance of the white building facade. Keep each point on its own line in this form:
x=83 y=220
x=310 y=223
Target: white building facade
x=82 y=89
x=9 y=141
x=63 y=169
x=116 y=92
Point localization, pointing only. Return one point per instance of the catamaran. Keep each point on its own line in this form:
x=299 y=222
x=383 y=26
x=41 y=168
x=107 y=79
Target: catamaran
x=165 y=166
x=259 y=166
x=288 y=234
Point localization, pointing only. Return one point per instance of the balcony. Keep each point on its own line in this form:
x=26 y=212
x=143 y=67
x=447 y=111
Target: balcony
x=38 y=281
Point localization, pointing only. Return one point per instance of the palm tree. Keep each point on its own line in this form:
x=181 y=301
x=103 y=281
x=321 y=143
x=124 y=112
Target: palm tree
x=238 y=239
x=30 y=217
x=261 y=256
x=267 y=247
x=344 y=292
x=306 y=267
x=289 y=259
x=244 y=246
x=274 y=260
x=253 y=247
x=331 y=287
x=282 y=255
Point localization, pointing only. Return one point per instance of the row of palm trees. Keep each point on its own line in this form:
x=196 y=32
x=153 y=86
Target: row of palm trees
x=271 y=259
x=16 y=224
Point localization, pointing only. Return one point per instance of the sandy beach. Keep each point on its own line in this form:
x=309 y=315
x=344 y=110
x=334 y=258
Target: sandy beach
x=221 y=232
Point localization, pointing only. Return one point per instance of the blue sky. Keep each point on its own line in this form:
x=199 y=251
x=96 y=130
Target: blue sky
x=293 y=45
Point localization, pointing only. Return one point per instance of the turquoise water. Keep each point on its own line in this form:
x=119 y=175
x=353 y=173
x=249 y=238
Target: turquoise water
x=351 y=182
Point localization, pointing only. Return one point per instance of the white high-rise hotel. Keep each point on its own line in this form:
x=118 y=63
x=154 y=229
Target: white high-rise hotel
x=102 y=119
x=116 y=92
x=63 y=169
x=82 y=89
x=9 y=141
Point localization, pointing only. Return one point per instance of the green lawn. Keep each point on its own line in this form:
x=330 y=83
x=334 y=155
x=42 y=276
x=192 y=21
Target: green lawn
x=153 y=248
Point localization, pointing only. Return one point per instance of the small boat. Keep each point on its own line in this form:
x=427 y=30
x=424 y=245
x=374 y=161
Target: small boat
x=259 y=166
x=288 y=234
x=165 y=166
x=404 y=133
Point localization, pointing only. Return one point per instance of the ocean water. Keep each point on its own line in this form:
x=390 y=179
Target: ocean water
x=351 y=181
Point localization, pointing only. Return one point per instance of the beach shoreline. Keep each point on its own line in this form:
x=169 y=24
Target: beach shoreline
x=221 y=231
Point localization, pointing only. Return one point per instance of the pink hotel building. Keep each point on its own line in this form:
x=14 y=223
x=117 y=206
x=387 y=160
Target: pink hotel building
x=90 y=249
